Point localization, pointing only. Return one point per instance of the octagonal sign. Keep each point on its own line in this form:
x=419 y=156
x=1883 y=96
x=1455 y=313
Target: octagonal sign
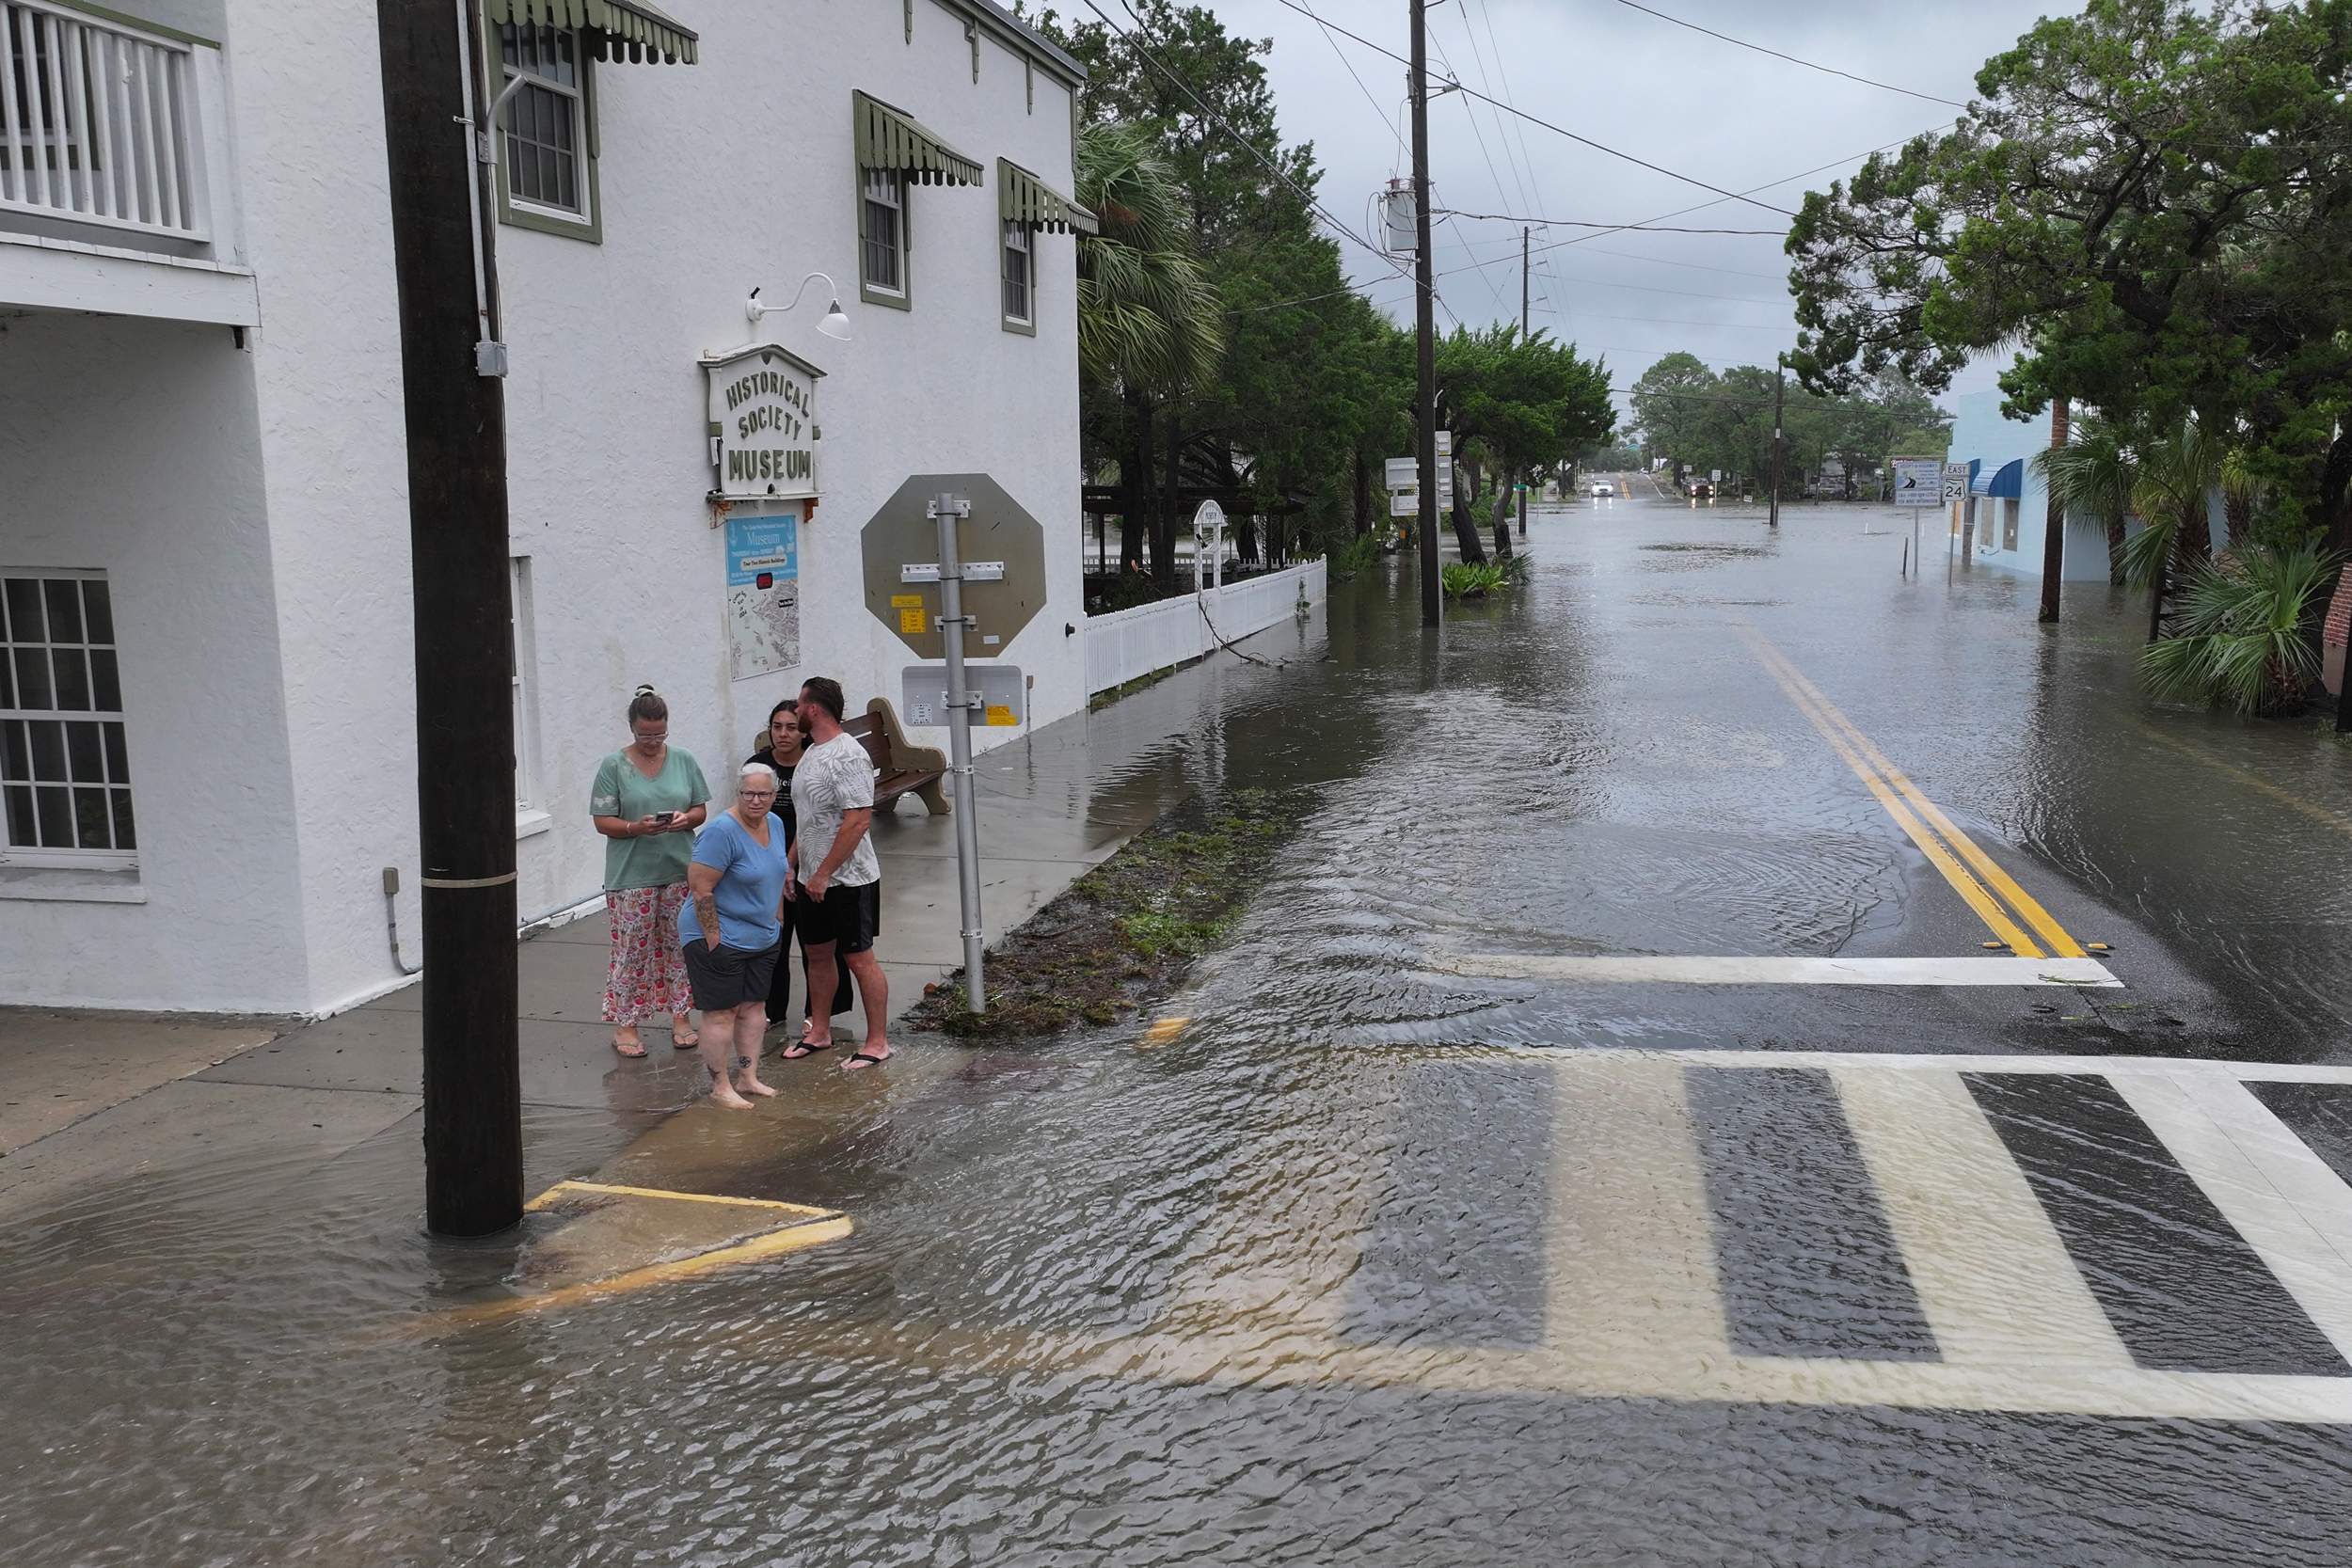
x=902 y=545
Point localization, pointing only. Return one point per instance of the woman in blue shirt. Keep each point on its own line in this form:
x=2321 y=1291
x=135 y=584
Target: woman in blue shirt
x=732 y=929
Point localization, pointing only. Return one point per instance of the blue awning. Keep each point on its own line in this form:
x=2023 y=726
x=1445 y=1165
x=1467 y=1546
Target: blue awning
x=2008 y=481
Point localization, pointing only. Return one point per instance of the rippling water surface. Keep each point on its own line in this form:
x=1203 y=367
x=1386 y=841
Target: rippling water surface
x=1102 y=1302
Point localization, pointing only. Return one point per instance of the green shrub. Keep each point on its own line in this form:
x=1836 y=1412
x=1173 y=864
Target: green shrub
x=2244 y=627
x=1467 y=580
x=1354 y=556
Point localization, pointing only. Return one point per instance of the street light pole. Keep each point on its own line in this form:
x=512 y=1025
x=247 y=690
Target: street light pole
x=1424 y=324
x=1779 y=374
x=456 y=410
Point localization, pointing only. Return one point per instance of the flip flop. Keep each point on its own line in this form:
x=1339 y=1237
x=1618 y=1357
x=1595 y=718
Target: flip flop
x=626 y=1048
x=689 y=1043
x=798 y=1048
x=861 y=1061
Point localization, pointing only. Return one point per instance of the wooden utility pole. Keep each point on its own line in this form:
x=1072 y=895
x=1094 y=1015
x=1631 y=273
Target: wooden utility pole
x=1523 y=233
x=1779 y=373
x=2054 y=526
x=456 y=428
x=1424 y=326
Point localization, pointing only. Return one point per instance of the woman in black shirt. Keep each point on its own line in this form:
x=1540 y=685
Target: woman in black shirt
x=780 y=752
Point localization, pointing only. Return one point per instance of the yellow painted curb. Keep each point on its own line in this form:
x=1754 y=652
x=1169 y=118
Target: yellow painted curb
x=819 y=1227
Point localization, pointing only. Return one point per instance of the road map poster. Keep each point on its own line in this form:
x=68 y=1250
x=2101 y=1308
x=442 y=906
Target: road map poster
x=764 y=592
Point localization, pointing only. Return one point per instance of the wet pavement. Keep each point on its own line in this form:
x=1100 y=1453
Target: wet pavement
x=1435 y=1233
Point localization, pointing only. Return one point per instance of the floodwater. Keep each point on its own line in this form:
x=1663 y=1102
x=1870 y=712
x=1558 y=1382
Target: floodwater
x=1376 y=1261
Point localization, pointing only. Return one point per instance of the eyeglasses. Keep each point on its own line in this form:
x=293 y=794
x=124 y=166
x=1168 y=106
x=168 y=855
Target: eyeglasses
x=656 y=734
x=754 y=794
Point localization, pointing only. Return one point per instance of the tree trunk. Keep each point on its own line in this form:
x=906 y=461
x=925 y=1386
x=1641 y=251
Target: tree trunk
x=1363 y=495
x=2334 y=510
x=2115 y=549
x=1136 y=482
x=1503 y=517
x=1465 y=530
x=1163 y=519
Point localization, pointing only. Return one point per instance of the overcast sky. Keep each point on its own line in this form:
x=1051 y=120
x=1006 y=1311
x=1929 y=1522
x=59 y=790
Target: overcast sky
x=1701 y=107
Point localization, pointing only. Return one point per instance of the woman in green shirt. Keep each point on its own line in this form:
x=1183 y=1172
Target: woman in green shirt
x=648 y=799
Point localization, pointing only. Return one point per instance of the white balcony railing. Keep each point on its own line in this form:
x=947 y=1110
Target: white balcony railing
x=98 y=123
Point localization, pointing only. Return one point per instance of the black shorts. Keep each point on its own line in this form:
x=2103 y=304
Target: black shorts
x=850 y=917
x=728 y=976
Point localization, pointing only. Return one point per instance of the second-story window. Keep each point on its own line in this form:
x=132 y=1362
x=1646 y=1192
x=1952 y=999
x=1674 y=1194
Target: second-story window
x=544 y=126
x=884 y=244
x=1016 y=272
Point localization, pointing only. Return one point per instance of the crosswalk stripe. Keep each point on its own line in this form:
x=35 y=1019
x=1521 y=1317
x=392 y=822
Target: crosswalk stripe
x=1992 y=1276
x=1630 y=1287
x=2219 y=1137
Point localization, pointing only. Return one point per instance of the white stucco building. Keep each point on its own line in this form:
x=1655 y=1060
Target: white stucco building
x=2006 y=518
x=210 y=753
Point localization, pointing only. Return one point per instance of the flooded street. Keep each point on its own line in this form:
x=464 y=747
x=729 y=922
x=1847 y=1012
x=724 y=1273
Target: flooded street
x=1433 y=1234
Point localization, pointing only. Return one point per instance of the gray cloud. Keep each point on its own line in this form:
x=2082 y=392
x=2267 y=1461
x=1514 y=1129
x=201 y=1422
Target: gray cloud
x=1718 y=113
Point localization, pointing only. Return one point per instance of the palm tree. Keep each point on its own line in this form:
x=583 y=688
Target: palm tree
x=1147 y=320
x=2245 y=630
x=2173 y=495
x=2094 y=475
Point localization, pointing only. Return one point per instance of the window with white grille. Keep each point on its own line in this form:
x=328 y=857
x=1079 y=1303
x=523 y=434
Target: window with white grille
x=883 y=231
x=1016 y=272
x=65 y=771
x=546 y=125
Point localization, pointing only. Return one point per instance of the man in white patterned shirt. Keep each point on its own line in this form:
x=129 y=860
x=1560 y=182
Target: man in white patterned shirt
x=836 y=878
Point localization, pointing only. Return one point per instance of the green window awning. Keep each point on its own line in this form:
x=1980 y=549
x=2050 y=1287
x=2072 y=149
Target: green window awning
x=891 y=138
x=624 y=29
x=1022 y=197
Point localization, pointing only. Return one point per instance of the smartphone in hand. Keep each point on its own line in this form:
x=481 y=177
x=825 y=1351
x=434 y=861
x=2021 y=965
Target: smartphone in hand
x=665 y=818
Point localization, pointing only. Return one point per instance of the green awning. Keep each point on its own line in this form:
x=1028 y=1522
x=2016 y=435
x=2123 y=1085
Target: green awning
x=891 y=138
x=1022 y=197
x=617 y=30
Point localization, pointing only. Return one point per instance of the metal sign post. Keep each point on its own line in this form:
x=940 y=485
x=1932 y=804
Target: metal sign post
x=947 y=510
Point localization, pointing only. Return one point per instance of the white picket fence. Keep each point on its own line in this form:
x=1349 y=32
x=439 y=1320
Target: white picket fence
x=1130 y=643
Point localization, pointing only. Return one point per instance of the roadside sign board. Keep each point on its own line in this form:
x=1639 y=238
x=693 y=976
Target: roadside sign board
x=923 y=694
x=900 y=544
x=1955 y=481
x=1919 y=481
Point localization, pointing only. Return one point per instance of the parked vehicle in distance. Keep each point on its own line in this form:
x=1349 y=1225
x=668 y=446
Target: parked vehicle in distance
x=1603 y=489
x=1702 y=490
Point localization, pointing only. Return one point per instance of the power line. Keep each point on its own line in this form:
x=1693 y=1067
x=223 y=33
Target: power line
x=1272 y=167
x=1809 y=65
x=1533 y=120
x=1613 y=227
x=1388 y=120
x=1694 y=266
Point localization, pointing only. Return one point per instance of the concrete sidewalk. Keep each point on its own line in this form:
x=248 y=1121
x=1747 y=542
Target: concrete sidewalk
x=92 y=1097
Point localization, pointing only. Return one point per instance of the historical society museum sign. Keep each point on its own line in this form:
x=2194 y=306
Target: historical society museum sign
x=762 y=422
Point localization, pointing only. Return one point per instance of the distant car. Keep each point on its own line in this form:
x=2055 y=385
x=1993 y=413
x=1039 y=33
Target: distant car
x=1604 y=488
x=1702 y=490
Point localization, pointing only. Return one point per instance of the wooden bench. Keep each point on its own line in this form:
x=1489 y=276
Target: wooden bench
x=905 y=768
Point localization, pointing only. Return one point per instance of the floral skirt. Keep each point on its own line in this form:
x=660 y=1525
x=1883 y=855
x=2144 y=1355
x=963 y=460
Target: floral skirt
x=648 y=974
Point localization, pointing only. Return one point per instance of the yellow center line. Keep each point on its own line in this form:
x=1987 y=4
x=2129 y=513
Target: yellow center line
x=2251 y=781
x=2001 y=882
x=1987 y=908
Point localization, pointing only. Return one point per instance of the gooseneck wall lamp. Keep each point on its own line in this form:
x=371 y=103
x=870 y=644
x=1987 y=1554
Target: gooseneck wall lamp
x=832 y=324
